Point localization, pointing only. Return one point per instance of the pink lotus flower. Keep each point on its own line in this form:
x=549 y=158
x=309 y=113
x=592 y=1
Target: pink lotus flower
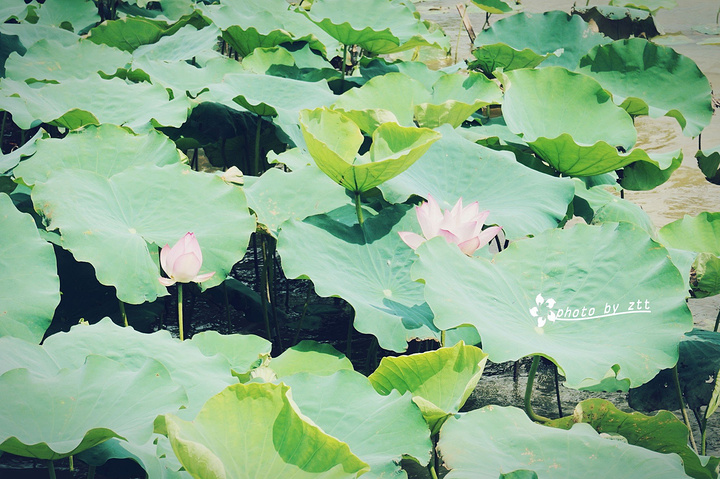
x=461 y=226
x=182 y=262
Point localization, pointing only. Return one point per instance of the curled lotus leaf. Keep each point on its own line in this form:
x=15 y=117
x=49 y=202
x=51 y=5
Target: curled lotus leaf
x=709 y=163
x=649 y=79
x=498 y=6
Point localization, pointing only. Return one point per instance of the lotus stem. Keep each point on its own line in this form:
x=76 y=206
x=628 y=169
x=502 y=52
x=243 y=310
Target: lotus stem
x=348 y=347
x=263 y=288
x=442 y=338
x=51 y=469
x=686 y=419
x=557 y=392
x=269 y=263
x=433 y=474
x=358 y=208
x=717 y=323
x=180 y=311
x=2 y=131
x=123 y=314
x=528 y=392
x=91 y=472
x=227 y=306
x=371 y=360
x=342 y=65
x=257 y=145
x=71 y=463
x=302 y=316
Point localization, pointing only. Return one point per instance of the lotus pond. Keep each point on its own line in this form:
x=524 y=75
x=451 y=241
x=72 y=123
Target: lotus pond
x=332 y=239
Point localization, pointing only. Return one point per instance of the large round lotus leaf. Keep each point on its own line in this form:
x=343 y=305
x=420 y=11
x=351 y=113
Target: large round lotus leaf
x=653 y=171
x=182 y=77
x=290 y=61
x=50 y=60
x=49 y=416
x=699 y=233
x=709 y=163
x=319 y=359
x=31 y=33
x=377 y=26
x=649 y=79
x=78 y=102
x=29 y=285
x=497 y=6
x=486 y=442
x=569 y=120
x=129 y=32
x=565 y=37
x=662 y=433
x=201 y=376
x=489 y=58
x=251 y=24
x=333 y=140
x=74 y=15
x=596 y=205
x=587 y=305
x=440 y=381
x=274 y=196
x=254 y=430
x=380 y=429
x=241 y=350
x=519 y=199
x=185 y=44
x=371 y=271
x=117 y=223
x=105 y=149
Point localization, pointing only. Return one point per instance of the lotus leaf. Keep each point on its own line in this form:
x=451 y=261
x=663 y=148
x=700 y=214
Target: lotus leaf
x=497 y=6
x=251 y=24
x=78 y=102
x=510 y=441
x=569 y=120
x=241 y=350
x=369 y=269
x=307 y=356
x=171 y=9
x=394 y=148
x=651 y=6
x=13 y=9
x=105 y=149
x=298 y=63
x=648 y=79
x=561 y=37
x=370 y=68
x=73 y=15
x=662 y=433
x=378 y=26
x=261 y=422
x=521 y=200
x=50 y=60
x=596 y=205
x=55 y=415
x=583 y=314
x=30 y=289
x=620 y=22
x=499 y=56
x=274 y=196
x=380 y=429
x=709 y=163
x=128 y=33
x=440 y=381
x=29 y=34
x=185 y=44
x=652 y=171
x=11 y=160
x=126 y=214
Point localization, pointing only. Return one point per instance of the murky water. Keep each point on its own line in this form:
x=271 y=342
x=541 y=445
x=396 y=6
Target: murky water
x=686 y=193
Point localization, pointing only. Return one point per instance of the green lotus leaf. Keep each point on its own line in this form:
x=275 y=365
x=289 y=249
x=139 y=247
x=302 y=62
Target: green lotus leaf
x=78 y=102
x=584 y=315
x=12 y=159
x=274 y=196
x=251 y=24
x=709 y=163
x=333 y=140
x=50 y=60
x=130 y=32
x=241 y=350
x=648 y=79
x=369 y=270
x=569 y=120
x=73 y=15
x=377 y=26
x=651 y=6
x=185 y=44
x=171 y=9
x=182 y=77
x=652 y=171
x=380 y=429
x=290 y=62
x=29 y=286
x=31 y=33
x=510 y=441
x=139 y=207
x=13 y=9
x=596 y=205
x=261 y=423
x=50 y=416
x=662 y=433
x=440 y=381
x=105 y=150
x=498 y=6
x=319 y=359
x=560 y=37
x=698 y=369
x=519 y=199
x=19 y=353
x=620 y=22
x=200 y=376
x=489 y=58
